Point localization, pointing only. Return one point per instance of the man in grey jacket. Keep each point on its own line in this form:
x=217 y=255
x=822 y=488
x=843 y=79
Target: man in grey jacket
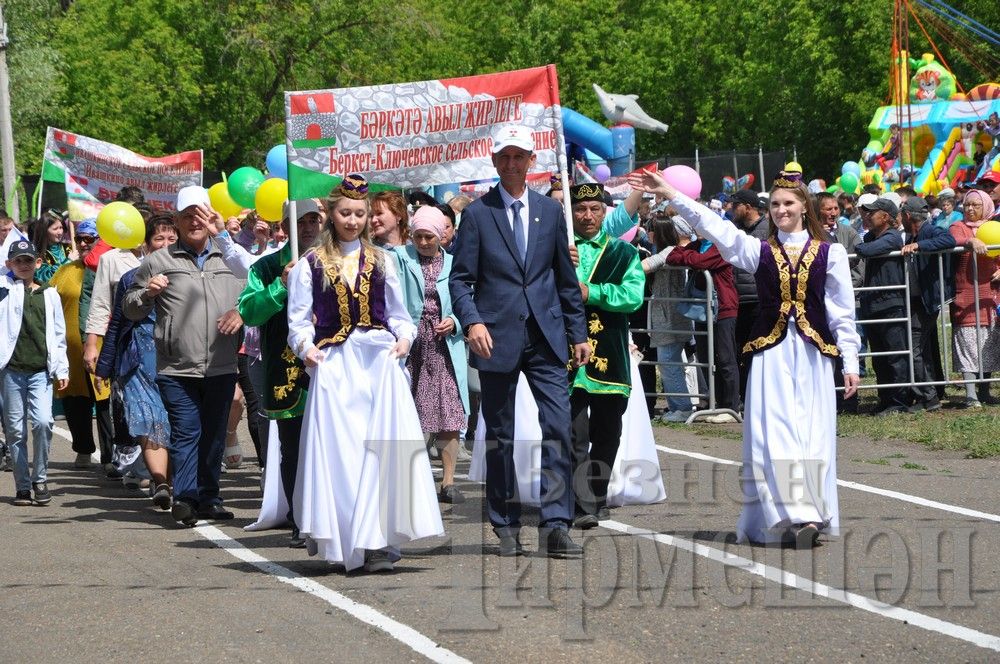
x=196 y=334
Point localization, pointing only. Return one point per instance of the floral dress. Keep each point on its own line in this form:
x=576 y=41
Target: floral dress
x=435 y=390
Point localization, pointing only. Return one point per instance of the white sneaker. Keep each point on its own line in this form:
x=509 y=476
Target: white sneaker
x=721 y=418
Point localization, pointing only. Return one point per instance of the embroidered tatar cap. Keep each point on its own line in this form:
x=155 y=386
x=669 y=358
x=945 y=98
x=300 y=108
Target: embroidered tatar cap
x=354 y=186
x=589 y=191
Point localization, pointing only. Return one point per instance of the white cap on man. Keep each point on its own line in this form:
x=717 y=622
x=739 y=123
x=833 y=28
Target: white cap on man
x=193 y=195
x=517 y=136
x=866 y=199
x=302 y=208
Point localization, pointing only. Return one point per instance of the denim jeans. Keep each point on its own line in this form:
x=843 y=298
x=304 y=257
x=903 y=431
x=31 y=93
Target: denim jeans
x=672 y=376
x=198 y=409
x=28 y=397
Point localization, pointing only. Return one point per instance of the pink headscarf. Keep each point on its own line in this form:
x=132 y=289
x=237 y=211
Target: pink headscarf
x=988 y=208
x=428 y=218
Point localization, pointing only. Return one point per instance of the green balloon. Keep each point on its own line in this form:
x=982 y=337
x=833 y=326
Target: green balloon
x=849 y=182
x=243 y=184
x=833 y=189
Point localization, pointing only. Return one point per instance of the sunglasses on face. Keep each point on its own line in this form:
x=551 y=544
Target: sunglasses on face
x=85 y=239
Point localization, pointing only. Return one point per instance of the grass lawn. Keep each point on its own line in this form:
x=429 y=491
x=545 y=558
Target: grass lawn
x=976 y=432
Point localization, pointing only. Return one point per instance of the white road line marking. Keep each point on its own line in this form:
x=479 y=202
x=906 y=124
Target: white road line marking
x=366 y=614
x=905 y=497
x=778 y=575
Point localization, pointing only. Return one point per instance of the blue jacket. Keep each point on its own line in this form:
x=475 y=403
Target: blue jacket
x=120 y=354
x=490 y=284
x=411 y=278
x=931 y=237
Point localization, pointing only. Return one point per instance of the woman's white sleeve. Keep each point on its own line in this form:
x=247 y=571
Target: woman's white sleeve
x=301 y=330
x=400 y=323
x=839 y=302
x=738 y=248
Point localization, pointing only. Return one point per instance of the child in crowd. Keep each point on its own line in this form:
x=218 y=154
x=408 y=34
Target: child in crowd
x=32 y=354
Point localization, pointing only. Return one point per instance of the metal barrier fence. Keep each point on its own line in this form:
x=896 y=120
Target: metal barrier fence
x=707 y=363
x=943 y=325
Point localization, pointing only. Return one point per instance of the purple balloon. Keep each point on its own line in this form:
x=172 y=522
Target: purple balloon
x=602 y=173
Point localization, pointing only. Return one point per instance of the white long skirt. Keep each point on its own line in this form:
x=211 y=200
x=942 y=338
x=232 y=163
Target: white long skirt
x=635 y=478
x=364 y=479
x=789 y=473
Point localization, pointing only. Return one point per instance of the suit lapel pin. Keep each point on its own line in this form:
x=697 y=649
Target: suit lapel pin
x=536 y=220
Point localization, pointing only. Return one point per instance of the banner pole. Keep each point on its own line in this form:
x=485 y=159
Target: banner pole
x=38 y=193
x=561 y=154
x=293 y=228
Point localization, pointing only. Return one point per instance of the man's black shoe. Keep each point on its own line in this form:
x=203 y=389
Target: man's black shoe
x=183 y=513
x=603 y=513
x=558 y=544
x=297 y=541
x=510 y=546
x=891 y=410
x=215 y=513
x=585 y=521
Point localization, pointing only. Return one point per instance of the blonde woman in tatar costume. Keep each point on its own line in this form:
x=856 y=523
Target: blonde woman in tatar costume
x=364 y=484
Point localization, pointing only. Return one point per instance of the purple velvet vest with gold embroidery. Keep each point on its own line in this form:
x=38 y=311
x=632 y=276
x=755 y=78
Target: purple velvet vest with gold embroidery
x=339 y=310
x=785 y=290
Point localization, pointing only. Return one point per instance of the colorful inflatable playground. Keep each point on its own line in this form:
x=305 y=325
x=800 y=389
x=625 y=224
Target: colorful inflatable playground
x=933 y=136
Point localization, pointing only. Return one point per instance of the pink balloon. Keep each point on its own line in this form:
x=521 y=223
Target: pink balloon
x=685 y=179
x=628 y=235
x=602 y=173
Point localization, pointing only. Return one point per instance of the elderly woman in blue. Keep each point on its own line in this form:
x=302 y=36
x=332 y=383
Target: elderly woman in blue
x=437 y=361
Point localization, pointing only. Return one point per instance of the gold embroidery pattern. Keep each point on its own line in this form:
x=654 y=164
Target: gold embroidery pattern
x=364 y=289
x=282 y=391
x=594 y=325
x=800 y=302
x=785 y=287
x=804 y=264
x=343 y=302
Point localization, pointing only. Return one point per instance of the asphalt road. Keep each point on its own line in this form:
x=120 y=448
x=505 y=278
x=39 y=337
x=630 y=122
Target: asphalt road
x=101 y=576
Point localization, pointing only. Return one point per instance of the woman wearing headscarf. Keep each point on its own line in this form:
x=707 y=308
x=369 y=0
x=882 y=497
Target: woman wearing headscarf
x=437 y=361
x=971 y=324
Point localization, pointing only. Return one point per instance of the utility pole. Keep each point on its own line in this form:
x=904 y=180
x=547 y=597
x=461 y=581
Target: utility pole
x=6 y=134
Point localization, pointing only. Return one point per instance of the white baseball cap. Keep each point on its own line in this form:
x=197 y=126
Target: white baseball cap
x=896 y=199
x=302 y=208
x=866 y=199
x=193 y=195
x=517 y=136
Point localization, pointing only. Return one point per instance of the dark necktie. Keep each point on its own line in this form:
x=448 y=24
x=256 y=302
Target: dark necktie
x=519 y=239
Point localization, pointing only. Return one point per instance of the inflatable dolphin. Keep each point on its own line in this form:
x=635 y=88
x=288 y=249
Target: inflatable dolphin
x=624 y=109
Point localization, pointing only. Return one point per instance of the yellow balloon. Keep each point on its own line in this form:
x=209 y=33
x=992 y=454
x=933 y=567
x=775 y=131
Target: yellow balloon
x=270 y=197
x=120 y=225
x=989 y=233
x=222 y=202
x=793 y=167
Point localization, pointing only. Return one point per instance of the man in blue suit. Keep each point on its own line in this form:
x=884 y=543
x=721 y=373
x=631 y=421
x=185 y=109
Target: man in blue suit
x=515 y=290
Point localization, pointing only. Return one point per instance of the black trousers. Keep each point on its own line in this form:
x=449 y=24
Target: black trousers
x=597 y=425
x=289 y=432
x=843 y=405
x=647 y=372
x=926 y=354
x=884 y=337
x=257 y=423
x=80 y=415
x=727 y=373
x=745 y=317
